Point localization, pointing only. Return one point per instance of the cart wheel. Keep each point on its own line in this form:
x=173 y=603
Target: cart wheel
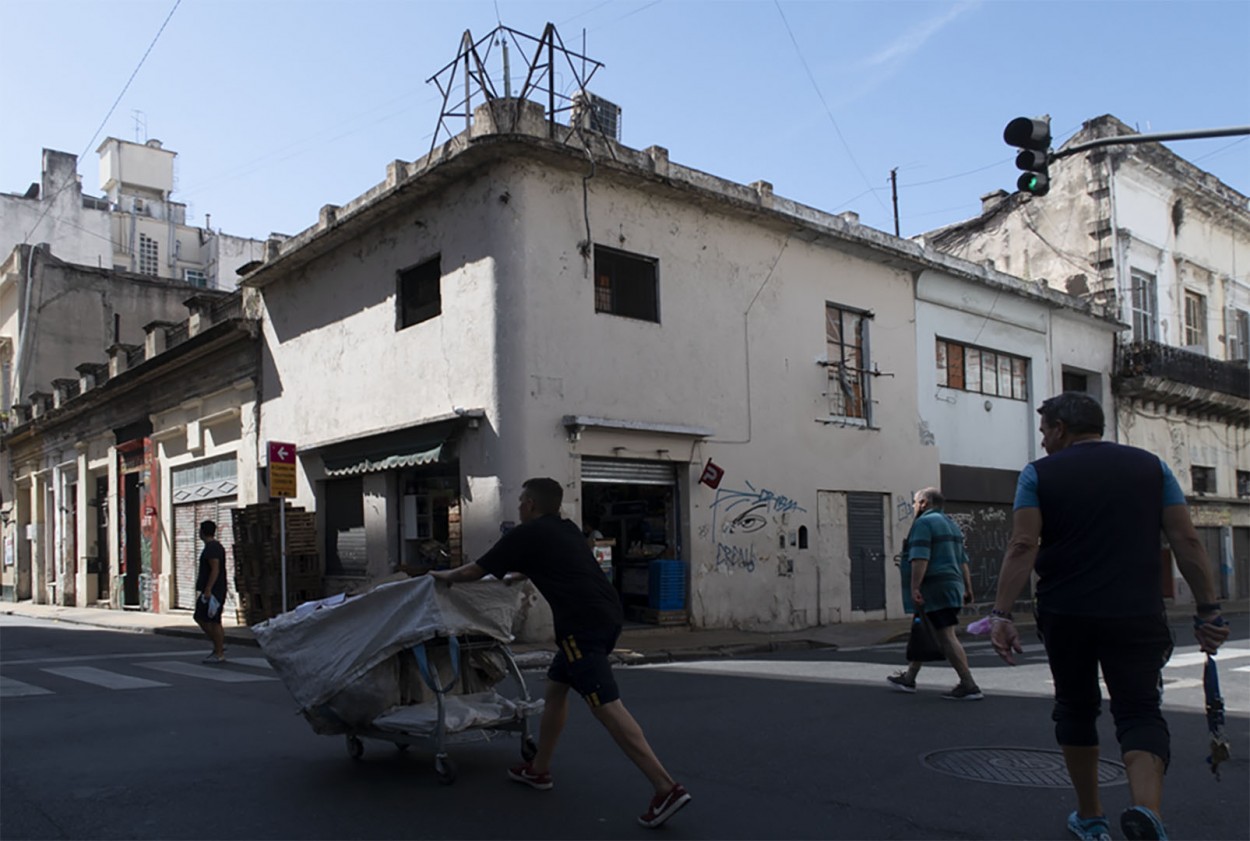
x=528 y=748
x=355 y=747
x=446 y=770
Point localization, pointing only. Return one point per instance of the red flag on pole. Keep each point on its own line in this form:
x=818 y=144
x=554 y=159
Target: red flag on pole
x=712 y=474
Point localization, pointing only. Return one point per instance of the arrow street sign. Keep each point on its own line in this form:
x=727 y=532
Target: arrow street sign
x=281 y=469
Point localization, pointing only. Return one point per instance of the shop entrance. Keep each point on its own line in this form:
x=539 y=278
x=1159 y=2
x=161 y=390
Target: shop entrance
x=630 y=513
x=132 y=558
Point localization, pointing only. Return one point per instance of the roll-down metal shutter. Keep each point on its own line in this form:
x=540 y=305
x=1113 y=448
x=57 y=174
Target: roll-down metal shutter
x=624 y=472
x=866 y=538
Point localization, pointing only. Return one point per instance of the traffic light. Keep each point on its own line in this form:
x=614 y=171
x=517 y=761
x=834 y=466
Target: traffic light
x=1032 y=138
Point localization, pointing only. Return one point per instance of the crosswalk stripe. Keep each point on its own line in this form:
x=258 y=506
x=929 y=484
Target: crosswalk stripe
x=1193 y=658
x=11 y=688
x=218 y=673
x=103 y=677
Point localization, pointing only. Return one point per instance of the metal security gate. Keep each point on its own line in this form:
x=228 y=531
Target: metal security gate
x=202 y=491
x=187 y=545
x=865 y=519
x=623 y=472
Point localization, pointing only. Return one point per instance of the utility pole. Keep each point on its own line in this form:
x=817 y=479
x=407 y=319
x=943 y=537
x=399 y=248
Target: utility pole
x=894 y=196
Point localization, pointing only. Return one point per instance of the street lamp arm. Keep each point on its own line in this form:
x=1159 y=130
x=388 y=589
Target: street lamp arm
x=1193 y=134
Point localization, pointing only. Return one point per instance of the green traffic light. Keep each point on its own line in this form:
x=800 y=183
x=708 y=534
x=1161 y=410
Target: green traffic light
x=1033 y=183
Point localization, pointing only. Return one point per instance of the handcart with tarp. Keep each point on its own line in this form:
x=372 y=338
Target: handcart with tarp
x=409 y=662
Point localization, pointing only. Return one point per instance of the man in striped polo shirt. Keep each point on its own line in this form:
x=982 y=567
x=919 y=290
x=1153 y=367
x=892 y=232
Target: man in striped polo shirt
x=936 y=578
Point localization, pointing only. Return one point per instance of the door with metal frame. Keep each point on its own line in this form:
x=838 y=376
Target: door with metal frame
x=865 y=525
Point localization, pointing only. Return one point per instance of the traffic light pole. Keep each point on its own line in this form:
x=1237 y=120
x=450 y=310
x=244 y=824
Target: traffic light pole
x=1150 y=138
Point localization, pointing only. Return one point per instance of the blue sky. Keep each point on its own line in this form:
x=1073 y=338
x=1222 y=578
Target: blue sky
x=277 y=107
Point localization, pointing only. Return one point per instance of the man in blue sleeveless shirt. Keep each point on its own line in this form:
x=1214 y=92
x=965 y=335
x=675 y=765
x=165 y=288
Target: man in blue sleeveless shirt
x=1097 y=509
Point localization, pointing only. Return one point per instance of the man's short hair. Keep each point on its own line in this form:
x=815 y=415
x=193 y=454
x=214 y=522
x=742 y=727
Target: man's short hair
x=1079 y=412
x=932 y=496
x=208 y=528
x=546 y=494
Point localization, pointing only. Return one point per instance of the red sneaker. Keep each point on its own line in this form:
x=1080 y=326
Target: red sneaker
x=526 y=774
x=664 y=806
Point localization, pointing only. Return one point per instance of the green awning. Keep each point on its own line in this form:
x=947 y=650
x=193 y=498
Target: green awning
x=374 y=462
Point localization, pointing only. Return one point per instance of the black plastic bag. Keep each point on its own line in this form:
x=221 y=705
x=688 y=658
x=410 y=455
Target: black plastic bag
x=923 y=646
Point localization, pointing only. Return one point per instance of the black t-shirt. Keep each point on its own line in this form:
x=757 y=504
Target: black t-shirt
x=1102 y=512
x=212 y=549
x=552 y=552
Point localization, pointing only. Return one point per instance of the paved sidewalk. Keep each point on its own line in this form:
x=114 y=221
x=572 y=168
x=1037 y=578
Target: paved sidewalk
x=638 y=643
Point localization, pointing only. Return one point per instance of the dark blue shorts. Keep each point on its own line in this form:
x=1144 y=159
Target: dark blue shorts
x=581 y=662
x=944 y=617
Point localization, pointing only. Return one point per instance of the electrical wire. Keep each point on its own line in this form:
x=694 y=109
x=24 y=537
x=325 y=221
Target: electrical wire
x=828 y=110
x=103 y=122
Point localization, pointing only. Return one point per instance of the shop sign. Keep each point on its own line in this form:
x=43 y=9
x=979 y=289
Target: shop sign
x=281 y=469
x=712 y=474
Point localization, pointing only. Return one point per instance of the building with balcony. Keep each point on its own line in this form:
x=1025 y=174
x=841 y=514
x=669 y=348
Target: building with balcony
x=1164 y=247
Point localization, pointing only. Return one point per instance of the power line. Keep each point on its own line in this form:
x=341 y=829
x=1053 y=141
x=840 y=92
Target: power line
x=126 y=87
x=103 y=122
x=828 y=110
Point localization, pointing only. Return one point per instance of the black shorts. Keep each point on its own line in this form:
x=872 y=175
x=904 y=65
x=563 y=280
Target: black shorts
x=943 y=617
x=581 y=662
x=201 y=611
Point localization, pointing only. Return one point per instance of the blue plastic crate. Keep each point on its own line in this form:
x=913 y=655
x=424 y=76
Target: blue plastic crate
x=667 y=585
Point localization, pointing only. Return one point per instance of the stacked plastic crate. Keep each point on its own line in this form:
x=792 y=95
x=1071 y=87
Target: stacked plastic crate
x=666 y=592
x=258 y=560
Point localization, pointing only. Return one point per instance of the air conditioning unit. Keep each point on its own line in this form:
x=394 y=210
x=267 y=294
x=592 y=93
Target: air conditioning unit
x=594 y=113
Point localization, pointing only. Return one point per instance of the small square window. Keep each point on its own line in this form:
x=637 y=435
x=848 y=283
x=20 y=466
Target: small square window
x=1073 y=381
x=626 y=284
x=1203 y=479
x=420 y=294
x=1243 y=483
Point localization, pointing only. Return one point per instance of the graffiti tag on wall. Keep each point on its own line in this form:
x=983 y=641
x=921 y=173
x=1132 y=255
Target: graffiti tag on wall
x=746 y=512
x=987 y=531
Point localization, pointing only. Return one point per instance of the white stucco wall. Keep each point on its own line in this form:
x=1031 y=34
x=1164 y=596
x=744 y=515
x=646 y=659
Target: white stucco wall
x=519 y=337
x=691 y=369
x=78 y=235
x=970 y=428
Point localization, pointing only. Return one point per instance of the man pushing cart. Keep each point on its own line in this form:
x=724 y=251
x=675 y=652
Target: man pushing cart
x=552 y=552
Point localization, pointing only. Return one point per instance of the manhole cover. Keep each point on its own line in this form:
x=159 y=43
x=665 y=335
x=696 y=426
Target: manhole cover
x=1016 y=767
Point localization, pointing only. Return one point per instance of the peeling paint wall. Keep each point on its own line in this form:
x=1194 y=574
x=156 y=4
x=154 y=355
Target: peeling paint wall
x=742 y=327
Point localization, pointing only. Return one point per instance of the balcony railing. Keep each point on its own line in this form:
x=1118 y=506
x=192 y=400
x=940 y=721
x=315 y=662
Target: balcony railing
x=1151 y=359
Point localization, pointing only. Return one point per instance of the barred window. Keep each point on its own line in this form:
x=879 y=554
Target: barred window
x=149 y=256
x=626 y=284
x=846 y=343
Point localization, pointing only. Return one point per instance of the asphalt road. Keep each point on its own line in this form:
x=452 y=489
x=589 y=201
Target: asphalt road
x=106 y=735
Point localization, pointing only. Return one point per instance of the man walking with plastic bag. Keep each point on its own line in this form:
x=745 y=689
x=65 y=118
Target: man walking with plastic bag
x=936 y=584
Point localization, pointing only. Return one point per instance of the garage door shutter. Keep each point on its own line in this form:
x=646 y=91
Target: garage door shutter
x=866 y=539
x=187 y=519
x=623 y=472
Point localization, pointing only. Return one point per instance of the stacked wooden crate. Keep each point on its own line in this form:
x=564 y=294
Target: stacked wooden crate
x=258 y=560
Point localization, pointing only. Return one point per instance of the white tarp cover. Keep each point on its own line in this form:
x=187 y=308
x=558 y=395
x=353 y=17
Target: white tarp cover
x=460 y=712
x=320 y=652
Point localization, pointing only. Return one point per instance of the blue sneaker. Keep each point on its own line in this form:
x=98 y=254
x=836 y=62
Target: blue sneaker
x=1089 y=829
x=1139 y=822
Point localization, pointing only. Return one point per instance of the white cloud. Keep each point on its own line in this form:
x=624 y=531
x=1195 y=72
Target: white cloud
x=915 y=38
